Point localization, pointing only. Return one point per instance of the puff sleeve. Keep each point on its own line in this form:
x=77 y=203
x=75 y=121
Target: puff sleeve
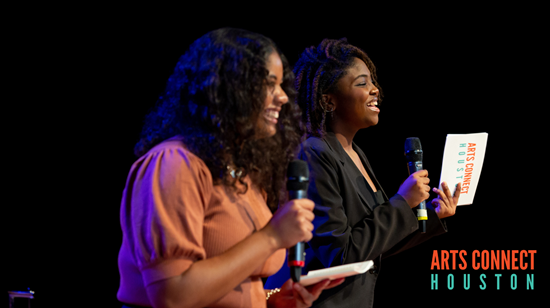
x=162 y=214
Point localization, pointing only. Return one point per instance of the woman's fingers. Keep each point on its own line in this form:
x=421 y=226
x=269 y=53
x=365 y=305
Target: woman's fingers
x=446 y=203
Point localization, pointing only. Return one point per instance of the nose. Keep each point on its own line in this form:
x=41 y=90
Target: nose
x=281 y=97
x=374 y=91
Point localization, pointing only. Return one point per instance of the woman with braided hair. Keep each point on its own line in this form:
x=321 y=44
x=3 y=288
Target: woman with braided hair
x=354 y=220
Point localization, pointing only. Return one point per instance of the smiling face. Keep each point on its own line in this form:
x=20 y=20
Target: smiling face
x=275 y=97
x=355 y=99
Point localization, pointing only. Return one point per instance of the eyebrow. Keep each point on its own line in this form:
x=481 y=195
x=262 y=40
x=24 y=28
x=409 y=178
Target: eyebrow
x=273 y=77
x=362 y=75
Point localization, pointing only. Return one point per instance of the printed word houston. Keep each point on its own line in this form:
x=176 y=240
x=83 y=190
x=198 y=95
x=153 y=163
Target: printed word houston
x=484 y=260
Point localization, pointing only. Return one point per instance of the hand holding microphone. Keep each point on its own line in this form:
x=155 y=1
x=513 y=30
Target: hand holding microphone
x=297 y=182
x=417 y=184
x=293 y=221
x=415 y=189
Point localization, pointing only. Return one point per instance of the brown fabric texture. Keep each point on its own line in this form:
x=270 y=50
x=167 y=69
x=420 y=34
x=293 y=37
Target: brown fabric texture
x=172 y=215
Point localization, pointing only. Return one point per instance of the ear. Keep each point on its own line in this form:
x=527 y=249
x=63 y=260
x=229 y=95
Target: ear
x=328 y=103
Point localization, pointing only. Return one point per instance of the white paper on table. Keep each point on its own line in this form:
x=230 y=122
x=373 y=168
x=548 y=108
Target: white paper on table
x=335 y=272
x=462 y=161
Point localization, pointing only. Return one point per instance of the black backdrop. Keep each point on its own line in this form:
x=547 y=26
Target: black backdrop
x=84 y=83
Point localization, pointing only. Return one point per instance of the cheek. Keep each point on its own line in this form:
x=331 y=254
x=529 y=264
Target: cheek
x=268 y=100
x=362 y=99
x=356 y=100
x=264 y=128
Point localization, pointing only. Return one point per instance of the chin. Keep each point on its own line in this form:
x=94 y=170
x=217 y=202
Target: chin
x=375 y=121
x=272 y=132
x=267 y=132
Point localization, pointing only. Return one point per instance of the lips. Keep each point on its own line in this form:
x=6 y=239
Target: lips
x=372 y=106
x=271 y=115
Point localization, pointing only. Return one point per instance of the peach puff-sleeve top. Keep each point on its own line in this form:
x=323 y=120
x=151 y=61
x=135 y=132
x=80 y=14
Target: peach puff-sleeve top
x=172 y=215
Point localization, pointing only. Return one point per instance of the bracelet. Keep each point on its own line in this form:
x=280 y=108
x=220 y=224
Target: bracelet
x=271 y=292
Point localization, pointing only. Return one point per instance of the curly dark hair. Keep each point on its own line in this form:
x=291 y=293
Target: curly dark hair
x=318 y=71
x=214 y=99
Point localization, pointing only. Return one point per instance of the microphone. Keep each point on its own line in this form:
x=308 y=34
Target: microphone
x=297 y=182
x=413 y=155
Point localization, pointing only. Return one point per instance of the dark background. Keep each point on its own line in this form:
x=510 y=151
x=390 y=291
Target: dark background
x=83 y=82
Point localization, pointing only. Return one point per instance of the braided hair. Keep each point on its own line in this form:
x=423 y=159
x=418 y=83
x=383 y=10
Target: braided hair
x=318 y=71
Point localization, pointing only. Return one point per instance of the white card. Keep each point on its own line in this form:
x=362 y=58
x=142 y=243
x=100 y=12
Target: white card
x=462 y=161
x=335 y=272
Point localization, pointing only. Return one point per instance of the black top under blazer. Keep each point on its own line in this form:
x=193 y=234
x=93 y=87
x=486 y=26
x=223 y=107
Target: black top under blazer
x=352 y=223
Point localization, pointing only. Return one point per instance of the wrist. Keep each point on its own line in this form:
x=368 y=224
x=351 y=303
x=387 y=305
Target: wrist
x=271 y=237
x=406 y=199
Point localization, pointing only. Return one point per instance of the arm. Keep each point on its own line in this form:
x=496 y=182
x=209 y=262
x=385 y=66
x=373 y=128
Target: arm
x=170 y=191
x=445 y=206
x=338 y=241
x=207 y=280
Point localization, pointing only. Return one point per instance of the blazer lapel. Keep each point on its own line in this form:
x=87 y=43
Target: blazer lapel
x=336 y=146
x=365 y=161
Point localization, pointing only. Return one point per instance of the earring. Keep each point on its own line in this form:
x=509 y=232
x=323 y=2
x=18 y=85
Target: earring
x=235 y=173
x=324 y=105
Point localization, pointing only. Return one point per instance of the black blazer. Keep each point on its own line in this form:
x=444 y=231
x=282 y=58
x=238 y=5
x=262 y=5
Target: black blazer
x=352 y=224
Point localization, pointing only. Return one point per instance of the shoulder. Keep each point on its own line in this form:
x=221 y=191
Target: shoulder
x=174 y=150
x=173 y=144
x=315 y=144
x=319 y=153
x=171 y=158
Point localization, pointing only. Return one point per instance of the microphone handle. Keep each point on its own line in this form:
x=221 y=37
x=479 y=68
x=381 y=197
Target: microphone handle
x=296 y=261
x=296 y=254
x=422 y=215
x=297 y=194
x=421 y=212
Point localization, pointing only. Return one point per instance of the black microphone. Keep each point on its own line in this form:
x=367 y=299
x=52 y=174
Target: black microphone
x=413 y=154
x=297 y=182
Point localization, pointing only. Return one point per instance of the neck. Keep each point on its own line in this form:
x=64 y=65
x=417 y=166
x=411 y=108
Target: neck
x=344 y=133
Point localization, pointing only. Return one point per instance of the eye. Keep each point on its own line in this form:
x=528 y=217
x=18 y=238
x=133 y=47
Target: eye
x=364 y=83
x=361 y=82
x=271 y=87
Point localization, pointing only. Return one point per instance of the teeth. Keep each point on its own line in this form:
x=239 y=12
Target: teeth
x=272 y=114
x=373 y=104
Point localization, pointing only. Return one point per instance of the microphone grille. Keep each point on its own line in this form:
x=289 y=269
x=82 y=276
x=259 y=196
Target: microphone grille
x=297 y=175
x=412 y=143
x=413 y=149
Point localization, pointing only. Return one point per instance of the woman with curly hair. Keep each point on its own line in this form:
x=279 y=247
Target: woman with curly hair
x=354 y=219
x=195 y=214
